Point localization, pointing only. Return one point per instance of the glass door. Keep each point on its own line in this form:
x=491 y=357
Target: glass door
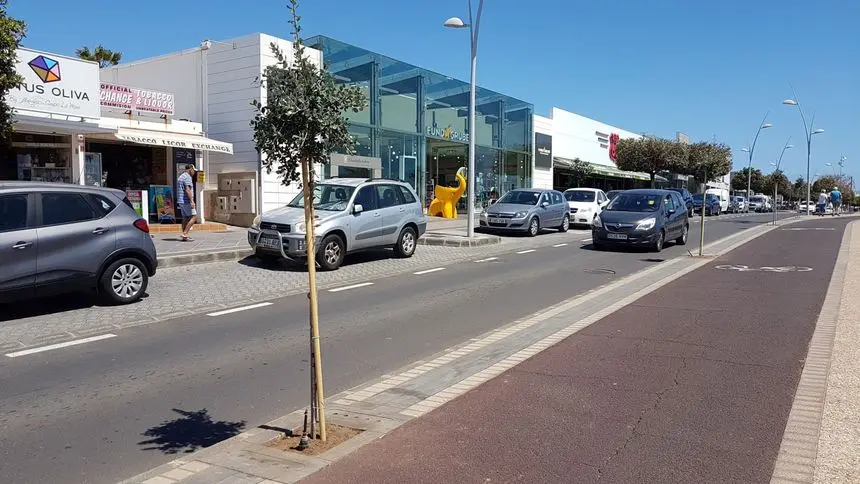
x=409 y=170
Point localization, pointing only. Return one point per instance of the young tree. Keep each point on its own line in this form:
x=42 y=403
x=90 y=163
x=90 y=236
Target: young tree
x=105 y=57
x=12 y=31
x=740 y=180
x=707 y=161
x=300 y=123
x=579 y=172
x=650 y=155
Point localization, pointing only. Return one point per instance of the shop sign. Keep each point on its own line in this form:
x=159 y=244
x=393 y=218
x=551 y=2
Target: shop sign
x=55 y=85
x=135 y=197
x=543 y=151
x=608 y=141
x=447 y=133
x=134 y=99
x=176 y=142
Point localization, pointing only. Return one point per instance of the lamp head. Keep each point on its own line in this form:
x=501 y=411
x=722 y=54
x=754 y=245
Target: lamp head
x=790 y=102
x=766 y=125
x=818 y=131
x=455 y=23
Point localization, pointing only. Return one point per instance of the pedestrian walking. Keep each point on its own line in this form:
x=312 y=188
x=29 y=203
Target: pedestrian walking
x=836 y=200
x=185 y=200
x=822 y=202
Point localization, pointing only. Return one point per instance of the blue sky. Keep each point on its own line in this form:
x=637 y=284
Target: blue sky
x=658 y=66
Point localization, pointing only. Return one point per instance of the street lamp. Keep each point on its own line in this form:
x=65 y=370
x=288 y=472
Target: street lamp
x=809 y=131
x=751 y=150
x=474 y=25
x=776 y=166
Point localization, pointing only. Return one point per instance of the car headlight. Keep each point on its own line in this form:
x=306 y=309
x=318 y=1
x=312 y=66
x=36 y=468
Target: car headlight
x=520 y=214
x=256 y=223
x=300 y=227
x=647 y=224
x=596 y=222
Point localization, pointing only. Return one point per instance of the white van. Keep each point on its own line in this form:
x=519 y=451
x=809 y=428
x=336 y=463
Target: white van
x=723 y=195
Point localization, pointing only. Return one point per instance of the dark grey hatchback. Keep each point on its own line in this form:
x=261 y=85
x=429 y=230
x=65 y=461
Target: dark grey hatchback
x=642 y=218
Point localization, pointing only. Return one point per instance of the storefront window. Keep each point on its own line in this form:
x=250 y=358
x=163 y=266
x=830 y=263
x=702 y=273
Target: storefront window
x=399 y=154
x=398 y=96
x=35 y=157
x=518 y=129
x=517 y=171
x=488 y=164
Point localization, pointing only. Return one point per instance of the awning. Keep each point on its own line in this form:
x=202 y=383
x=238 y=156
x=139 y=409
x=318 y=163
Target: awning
x=606 y=170
x=188 y=141
x=39 y=124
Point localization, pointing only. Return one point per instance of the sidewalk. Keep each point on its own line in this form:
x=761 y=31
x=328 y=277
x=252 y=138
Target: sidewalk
x=691 y=383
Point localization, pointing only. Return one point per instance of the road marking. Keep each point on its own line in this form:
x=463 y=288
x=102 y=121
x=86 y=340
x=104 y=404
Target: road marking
x=562 y=245
x=347 y=288
x=526 y=251
x=236 y=310
x=585 y=240
x=60 y=345
x=810 y=228
x=428 y=271
x=488 y=259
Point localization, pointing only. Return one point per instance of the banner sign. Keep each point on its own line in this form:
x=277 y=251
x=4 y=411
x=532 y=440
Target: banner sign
x=132 y=98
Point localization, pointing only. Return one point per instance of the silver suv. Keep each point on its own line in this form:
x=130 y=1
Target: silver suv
x=57 y=238
x=352 y=214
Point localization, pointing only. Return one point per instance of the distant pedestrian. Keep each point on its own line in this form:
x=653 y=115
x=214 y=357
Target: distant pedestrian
x=822 y=202
x=185 y=200
x=836 y=200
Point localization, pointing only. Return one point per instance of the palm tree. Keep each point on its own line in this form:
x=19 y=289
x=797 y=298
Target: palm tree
x=105 y=57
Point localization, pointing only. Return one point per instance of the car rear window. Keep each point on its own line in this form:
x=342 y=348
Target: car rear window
x=102 y=205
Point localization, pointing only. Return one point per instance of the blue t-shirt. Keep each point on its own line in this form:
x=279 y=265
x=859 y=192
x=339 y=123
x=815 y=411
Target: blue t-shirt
x=183 y=182
x=836 y=196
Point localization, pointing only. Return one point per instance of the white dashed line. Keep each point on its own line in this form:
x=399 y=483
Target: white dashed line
x=562 y=245
x=585 y=240
x=60 y=345
x=526 y=251
x=488 y=259
x=428 y=271
x=347 y=288
x=236 y=310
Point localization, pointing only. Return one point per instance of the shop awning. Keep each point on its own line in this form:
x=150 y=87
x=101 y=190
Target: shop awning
x=39 y=124
x=188 y=141
x=606 y=170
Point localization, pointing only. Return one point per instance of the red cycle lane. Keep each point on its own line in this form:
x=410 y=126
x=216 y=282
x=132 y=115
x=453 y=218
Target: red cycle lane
x=691 y=383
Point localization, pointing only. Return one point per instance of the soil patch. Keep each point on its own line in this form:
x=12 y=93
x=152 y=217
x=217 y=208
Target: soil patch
x=336 y=435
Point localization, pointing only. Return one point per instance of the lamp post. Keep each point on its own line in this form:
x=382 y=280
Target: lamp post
x=751 y=150
x=474 y=25
x=776 y=171
x=809 y=131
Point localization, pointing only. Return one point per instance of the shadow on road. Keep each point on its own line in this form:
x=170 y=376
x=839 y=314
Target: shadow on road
x=31 y=308
x=293 y=266
x=191 y=431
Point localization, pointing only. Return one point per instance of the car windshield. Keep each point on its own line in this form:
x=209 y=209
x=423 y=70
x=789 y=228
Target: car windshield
x=521 y=197
x=698 y=197
x=679 y=190
x=579 y=196
x=327 y=197
x=756 y=199
x=635 y=202
x=611 y=195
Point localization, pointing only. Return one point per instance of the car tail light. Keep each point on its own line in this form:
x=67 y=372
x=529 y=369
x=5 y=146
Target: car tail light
x=140 y=224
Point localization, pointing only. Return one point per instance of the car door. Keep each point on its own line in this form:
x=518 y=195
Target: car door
x=366 y=225
x=559 y=207
x=671 y=214
x=74 y=241
x=601 y=201
x=18 y=245
x=391 y=205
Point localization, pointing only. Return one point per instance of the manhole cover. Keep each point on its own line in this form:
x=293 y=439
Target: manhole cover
x=600 y=271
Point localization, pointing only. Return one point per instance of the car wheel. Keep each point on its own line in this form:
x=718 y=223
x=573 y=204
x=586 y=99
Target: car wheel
x=682 y=240
x=124 y=281
x=534 y=227
x=266 y=258
x=331 y=253
x=565 y=224
x=597 y=245
x=658 y=244
x=406 y=243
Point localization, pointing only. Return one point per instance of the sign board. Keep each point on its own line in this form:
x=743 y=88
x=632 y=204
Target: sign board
x=161 y=202
x=543 y=151
x=134 y=99
x=93 y=169
x=55 y=85
x=136 y=199
x=447 y=133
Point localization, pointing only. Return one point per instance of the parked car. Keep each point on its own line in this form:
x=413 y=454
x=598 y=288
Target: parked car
x=58 y=238
x=584 y=204
x=527 y=210
x=611 y=194
x=722 y=195
x=738 y=205
x=643 y=217
x=803 y=206
x=687 y=197
x=352 y=214
x=759 y=203
x=712 y=204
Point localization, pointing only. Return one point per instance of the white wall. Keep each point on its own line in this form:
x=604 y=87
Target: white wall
x=574 y=136
x=542 y=178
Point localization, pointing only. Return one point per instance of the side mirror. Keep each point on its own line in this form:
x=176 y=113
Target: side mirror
x=357 y=208
x=671 y=211
x=545 y=204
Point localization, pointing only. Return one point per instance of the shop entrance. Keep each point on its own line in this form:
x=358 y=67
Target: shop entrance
x=444 y=158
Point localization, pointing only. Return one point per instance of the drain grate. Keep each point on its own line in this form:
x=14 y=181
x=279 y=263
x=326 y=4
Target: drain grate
x=600 y=271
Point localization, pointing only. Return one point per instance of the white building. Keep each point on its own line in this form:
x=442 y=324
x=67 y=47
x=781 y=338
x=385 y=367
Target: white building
x=565 y=136
x=217 y=82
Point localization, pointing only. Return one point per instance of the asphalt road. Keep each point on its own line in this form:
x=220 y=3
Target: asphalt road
x=691 y=383
x=107 y=410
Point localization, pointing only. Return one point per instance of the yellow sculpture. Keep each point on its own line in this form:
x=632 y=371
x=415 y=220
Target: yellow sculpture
x=445 y=203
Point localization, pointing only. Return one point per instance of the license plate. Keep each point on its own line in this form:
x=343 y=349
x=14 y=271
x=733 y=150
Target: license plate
x=497 y=221
x=269 y=242
x=617 y=236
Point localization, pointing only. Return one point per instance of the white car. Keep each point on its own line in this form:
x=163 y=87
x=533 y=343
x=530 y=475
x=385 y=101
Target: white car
x=802 y=207
x=584 y=204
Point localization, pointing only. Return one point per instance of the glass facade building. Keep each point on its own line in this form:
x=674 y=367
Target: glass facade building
x=417 y=124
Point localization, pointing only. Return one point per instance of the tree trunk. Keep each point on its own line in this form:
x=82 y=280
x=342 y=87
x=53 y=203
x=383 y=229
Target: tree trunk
x=316 y=357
